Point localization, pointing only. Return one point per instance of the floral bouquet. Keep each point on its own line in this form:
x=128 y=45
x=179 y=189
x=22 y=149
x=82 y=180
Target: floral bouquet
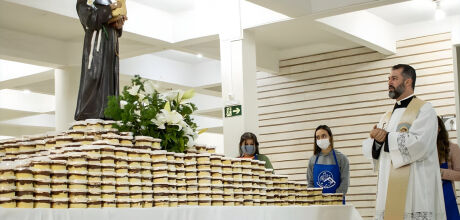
x=141 y=109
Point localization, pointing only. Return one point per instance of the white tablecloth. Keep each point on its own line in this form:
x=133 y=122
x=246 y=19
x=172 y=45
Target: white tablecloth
x=188 y=213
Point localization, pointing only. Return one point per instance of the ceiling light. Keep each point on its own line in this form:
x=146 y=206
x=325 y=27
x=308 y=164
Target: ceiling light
x=439 y=14
x=199 y=55
x=26 y=91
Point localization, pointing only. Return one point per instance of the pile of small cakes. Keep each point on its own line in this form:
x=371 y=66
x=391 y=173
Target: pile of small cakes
x=95 y=166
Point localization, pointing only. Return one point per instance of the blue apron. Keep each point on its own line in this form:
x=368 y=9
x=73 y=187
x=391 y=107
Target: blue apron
x=449 y=198
x=327 y=176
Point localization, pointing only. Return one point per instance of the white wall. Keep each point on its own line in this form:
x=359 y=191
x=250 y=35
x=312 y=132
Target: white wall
x=212 y=139
x=207 y=73
x=171 y=71
x=11 y=69
x=158 y=68
x=449 y=24
x=30 y=102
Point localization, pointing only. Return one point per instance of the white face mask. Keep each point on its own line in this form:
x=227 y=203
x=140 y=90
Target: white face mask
x=323 y=143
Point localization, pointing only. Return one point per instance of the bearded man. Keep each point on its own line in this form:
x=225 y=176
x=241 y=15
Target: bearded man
x=403 y=149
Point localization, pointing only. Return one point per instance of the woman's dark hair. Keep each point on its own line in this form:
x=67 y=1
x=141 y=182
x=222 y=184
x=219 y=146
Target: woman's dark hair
x=249 y=136
x=442 y=142
x=331 y=138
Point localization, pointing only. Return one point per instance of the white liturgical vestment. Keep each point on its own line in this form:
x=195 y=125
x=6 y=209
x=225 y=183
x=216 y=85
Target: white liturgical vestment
x=417 y=149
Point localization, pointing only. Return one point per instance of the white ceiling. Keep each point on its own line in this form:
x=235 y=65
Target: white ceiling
x=6 y=114
x=11 y=69
x=171 y=6
x=414 y=11
x=40 y=23
x=210 y=48
x=296 y=33
x=44 y=87
x=284 y=36
x=181 y=56
x=49 y=25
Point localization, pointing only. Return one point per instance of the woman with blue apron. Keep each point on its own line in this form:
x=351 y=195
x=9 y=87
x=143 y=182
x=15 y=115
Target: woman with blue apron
x=327 y=176
x=332 y=171
x=447 y=150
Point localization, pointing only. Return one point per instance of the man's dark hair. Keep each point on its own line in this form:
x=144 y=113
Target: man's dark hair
x=407 y=72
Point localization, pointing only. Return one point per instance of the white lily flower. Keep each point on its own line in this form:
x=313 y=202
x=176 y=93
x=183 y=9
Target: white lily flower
x=173 y=117
x=190 y=142
x=173 y=95
x=150 y=87
x=187 y=129
x=161 y=117
x=145 y=102
x=123 y=103
x=134 y=90
x=170 y=118
x=141 y=97
x=160 y=120
x=159 y=124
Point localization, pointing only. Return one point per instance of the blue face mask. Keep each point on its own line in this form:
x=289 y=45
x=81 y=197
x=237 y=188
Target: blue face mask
x=248 y=149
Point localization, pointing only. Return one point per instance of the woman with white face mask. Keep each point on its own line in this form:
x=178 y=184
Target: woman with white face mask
x=249 y=148
x=328 y=168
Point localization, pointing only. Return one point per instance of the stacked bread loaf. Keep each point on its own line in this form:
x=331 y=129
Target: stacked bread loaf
x=95 y=166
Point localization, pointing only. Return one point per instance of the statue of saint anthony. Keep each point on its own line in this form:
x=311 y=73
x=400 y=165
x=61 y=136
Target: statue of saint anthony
x=100 y=62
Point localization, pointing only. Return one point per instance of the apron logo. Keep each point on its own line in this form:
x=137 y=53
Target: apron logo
x=326 y=180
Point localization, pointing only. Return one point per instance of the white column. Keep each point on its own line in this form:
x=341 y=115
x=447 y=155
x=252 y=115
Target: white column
x=66 y=83
x=238 y=69
x=456 y=53
x=455 y=34
x=456 y=58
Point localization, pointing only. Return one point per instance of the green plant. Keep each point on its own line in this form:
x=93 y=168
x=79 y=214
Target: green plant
x=141 y=109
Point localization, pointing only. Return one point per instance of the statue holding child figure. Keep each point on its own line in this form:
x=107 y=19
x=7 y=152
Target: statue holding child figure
x=103 y=23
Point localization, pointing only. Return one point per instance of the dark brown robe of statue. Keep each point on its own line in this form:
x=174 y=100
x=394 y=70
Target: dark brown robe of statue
x=100 y=62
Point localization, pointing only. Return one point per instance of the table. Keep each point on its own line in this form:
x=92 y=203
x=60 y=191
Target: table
x=342 y=212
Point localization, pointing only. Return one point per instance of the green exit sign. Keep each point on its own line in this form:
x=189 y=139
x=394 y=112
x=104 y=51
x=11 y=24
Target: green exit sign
x=232 y=111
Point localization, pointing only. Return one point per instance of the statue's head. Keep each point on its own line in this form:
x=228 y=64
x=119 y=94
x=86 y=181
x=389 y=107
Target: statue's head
x=103 y=2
